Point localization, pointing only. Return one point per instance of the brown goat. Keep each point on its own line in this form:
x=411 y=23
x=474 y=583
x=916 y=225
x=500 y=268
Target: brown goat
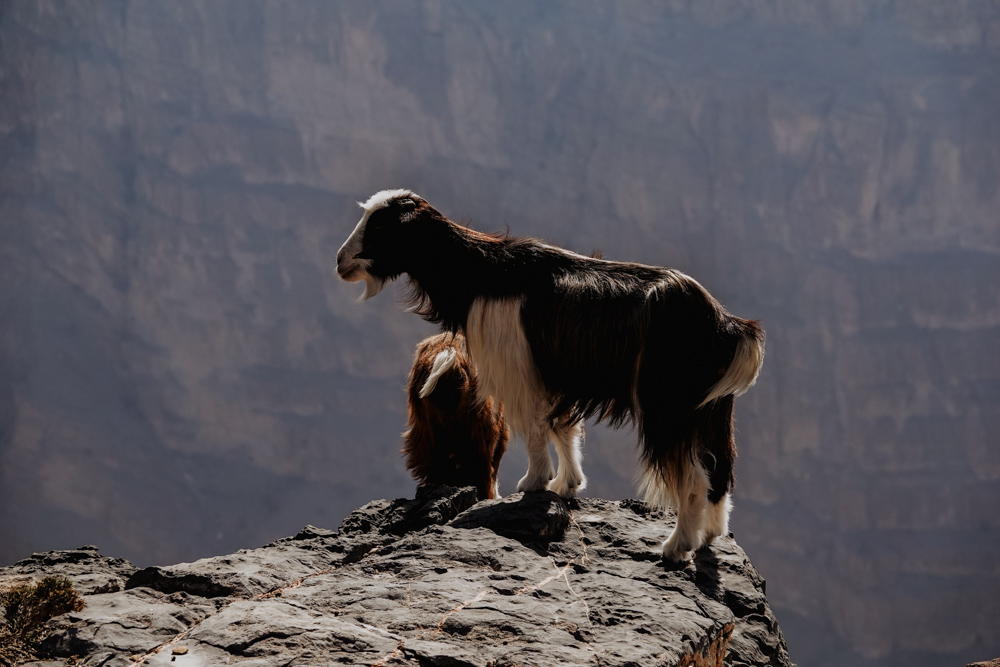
x=454 y=438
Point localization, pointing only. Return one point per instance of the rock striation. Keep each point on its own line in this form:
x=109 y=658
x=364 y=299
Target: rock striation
x=436 y=580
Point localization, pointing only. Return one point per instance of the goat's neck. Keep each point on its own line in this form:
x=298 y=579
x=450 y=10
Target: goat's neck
x=456 y=269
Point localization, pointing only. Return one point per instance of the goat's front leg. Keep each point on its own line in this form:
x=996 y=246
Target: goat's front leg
x=568 y=439
x=540 y=469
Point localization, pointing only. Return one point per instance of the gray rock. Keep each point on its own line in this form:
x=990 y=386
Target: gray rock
x=257 y=571
x=246 y=573
x=432 y=506
x=126 y=623
x=90 y=572
x=529 y=580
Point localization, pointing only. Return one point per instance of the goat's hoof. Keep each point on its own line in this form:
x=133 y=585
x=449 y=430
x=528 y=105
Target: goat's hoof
x=531 y=484
x=676 y=551
x=567 y=489
x=564 y=492
x=676 y=557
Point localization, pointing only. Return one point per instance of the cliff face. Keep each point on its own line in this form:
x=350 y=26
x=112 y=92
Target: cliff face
x=528 y=580
x=181 y=373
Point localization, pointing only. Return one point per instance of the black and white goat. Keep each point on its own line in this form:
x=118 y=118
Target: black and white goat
x=456 y=437
x=558 y=337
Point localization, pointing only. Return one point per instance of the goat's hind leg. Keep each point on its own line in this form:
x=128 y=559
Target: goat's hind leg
x=691 y=501
x=683 y=486
x=717 y=518
x=675 y=477
x=718 y=457
x=568 y=439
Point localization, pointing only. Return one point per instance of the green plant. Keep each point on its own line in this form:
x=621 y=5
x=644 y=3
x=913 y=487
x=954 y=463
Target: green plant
x=26 y=609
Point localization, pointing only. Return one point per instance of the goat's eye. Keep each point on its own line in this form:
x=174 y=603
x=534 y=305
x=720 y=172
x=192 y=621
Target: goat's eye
x=407 y=204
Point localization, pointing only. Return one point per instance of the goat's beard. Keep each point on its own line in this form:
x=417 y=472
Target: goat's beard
x=373 y=285
x=358 y=272
x=375 y=282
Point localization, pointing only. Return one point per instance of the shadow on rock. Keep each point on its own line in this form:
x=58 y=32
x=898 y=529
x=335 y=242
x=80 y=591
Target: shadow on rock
x=533 y=517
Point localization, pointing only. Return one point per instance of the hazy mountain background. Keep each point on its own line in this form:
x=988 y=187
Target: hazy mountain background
x=181 y=373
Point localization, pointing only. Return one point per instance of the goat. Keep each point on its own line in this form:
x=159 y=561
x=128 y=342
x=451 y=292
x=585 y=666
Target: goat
x=558 y=337
x=454 y=437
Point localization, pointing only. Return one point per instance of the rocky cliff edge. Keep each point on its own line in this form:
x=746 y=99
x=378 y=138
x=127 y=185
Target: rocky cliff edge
x=437 y=580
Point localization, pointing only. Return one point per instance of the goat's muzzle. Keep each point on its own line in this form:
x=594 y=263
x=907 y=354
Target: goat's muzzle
x=350 y=269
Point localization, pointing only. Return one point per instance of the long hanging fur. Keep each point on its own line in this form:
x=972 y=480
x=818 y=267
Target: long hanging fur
x=559 y=338
x=453 y=437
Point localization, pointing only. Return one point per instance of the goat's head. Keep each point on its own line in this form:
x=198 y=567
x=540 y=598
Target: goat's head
x=374 y=251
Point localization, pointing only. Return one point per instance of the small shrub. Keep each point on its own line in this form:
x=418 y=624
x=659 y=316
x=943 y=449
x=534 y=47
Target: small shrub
x=26 y=609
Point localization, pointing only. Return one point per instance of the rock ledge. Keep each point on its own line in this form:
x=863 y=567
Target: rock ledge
x=437 y=580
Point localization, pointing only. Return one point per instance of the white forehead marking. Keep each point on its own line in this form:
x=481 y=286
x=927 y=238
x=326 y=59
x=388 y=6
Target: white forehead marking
x=382 y=198
x=376 y=201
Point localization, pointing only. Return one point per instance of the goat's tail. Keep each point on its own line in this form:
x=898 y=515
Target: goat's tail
x=444 y=360
x=745 y=365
